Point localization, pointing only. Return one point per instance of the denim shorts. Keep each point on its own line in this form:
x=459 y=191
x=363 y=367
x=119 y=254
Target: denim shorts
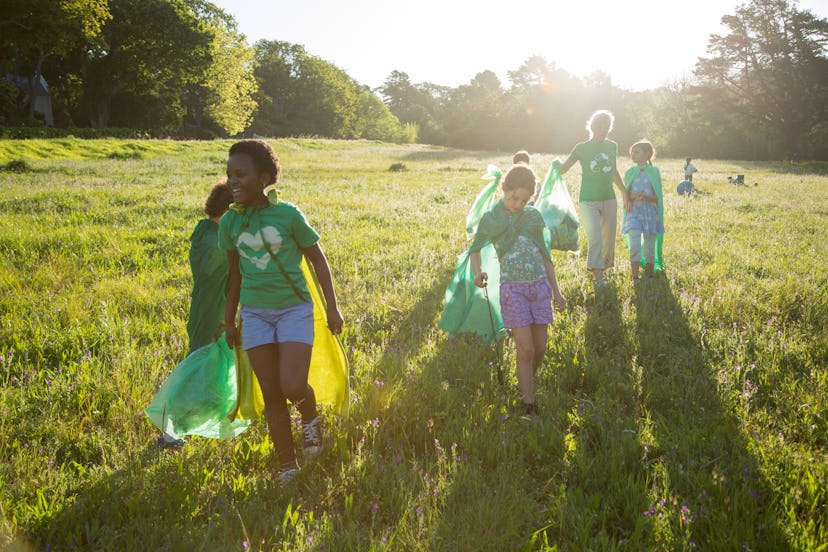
x=525 y=303
x=264 y=326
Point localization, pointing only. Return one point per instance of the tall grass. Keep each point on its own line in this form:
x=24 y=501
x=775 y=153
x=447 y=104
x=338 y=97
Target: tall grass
x=680 y=413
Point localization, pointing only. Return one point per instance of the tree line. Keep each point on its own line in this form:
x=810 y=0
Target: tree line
x=182 y=68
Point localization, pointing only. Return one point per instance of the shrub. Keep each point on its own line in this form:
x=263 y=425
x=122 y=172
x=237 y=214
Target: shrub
x=16 y=165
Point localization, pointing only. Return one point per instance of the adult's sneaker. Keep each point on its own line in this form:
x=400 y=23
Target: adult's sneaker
x=312 y=445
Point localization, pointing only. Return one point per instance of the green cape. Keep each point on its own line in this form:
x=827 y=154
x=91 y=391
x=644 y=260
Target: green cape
x=552 y=223
x=214 y=392
x=208 y=265
x=655 y=179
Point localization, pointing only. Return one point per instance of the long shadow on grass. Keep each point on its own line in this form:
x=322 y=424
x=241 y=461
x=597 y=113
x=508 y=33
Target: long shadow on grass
x=603 y=486
x=444 y=464
x=155 y=502
x=707 y=489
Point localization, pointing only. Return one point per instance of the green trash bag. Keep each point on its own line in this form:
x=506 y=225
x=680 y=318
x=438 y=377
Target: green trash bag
x=558 y=210
x=485 y=200
x=200 y=395
x=466 y=309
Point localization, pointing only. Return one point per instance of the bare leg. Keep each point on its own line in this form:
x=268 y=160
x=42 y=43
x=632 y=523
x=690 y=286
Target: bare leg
x=525 y=353
x=265 y=362
x=539 y=333
x=294 y=365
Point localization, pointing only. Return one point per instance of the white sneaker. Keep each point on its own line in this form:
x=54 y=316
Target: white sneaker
x=312 y=445
x=287 y=476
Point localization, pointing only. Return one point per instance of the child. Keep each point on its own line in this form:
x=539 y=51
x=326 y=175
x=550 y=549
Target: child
x=208 y=264
x=521 y=156
x=265 y=241
x=689 y=169
x=646 y=219
x=528 y=283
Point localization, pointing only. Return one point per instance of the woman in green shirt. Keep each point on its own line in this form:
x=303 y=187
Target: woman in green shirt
x=599 y=207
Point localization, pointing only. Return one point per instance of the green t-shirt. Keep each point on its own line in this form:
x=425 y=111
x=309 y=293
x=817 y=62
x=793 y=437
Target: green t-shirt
x=286 y=233
x=597 y=169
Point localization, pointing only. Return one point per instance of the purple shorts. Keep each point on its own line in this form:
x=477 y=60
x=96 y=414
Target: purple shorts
x=525 y=303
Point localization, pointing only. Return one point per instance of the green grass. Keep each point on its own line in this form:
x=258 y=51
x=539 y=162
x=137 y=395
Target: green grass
x=687 y=412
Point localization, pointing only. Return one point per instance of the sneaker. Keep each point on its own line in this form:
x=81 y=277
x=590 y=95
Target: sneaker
x=287 y=476
x=166 y=441
x=312 y=445
x=530 y=412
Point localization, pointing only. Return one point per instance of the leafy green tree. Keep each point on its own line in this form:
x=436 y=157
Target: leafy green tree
x=767 y=77
x=155 y=49
x=300 y=94
x=376 y=122
x=474 y=113
x=422 y=105
x=35 y=31
x=224 y=97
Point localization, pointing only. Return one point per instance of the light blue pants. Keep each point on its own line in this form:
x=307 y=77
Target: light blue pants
x=635 y=247
x=600 y=220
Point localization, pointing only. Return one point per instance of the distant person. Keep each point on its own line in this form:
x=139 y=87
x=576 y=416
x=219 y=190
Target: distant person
x=685 y=187
x=645 y=220
x=599 y=207
x=689 y=169
x=521 y=156
x=208 y=264
x=528 y=285
x=265 y=239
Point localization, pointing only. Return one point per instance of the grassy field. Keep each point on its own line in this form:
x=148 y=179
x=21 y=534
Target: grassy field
x=688 y=412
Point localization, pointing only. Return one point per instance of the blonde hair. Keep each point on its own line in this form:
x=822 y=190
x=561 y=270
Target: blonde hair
x=600 y=116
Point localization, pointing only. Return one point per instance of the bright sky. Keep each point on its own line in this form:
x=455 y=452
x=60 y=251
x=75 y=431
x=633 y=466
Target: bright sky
x=641 y=44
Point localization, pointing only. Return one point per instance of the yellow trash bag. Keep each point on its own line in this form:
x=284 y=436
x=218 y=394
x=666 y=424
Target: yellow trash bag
x=328 y=368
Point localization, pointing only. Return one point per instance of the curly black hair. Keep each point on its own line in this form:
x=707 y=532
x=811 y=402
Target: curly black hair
x=218 y=201
x=264 y=158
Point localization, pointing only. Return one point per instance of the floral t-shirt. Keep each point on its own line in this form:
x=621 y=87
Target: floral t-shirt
x=522 y=263
x=644 y=215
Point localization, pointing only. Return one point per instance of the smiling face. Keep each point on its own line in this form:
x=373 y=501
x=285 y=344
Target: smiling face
x=245 y=181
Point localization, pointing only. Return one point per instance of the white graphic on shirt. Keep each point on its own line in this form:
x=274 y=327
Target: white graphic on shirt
x=600 y=163
x=253 y=244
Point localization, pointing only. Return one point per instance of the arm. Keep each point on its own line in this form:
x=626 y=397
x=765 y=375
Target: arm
x=232 y=301
x=560 y=302
x=480 y=277
x=567 y=164
x=616 y=177
x=322 y=269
